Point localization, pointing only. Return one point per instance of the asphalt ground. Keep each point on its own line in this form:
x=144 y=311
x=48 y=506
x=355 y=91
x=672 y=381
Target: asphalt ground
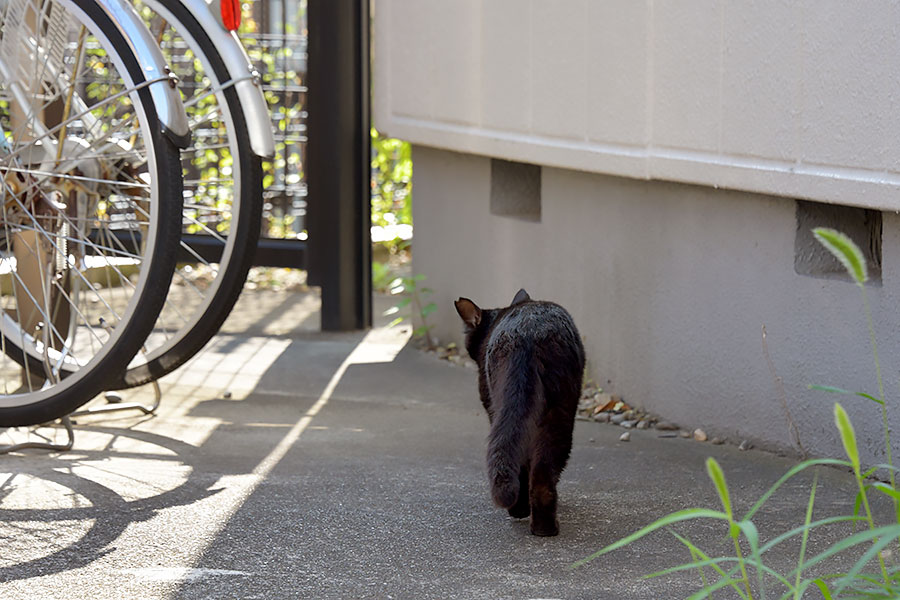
x=288 y=463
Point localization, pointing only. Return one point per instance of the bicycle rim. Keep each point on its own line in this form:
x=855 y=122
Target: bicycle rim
x=89 y=191
x=222 y=208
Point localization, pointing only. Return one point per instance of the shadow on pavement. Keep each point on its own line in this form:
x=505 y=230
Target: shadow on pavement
x=310 y=465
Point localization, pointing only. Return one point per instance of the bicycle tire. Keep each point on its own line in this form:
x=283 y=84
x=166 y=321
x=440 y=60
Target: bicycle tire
x=243 y=234
x=80 y=370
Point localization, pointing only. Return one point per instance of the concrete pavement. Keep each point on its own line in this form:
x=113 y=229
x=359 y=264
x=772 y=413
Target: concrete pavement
x=287 y=463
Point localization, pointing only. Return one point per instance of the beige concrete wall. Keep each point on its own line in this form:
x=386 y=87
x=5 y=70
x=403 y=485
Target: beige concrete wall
x=670 y=285
x=799 y=98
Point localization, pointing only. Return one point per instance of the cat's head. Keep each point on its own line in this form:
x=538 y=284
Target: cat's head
x=476 y=321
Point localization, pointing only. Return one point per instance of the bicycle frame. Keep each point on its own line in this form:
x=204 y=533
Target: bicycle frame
x=242 y=75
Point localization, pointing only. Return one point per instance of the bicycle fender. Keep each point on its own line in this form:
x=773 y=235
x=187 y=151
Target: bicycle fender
x=165 y=95
x=246 y=78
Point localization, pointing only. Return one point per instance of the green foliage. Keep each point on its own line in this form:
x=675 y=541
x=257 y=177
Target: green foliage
x=382 y=276
x=866 y=547
x=391 y=186
x=413 y=297
x=391 y=181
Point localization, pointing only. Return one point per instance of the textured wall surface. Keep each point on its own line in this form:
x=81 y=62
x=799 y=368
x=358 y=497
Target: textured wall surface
x=670 y=285
x=798 y=98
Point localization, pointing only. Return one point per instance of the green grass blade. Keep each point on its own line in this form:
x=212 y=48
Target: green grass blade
x=887 y=490
x=791 y=472
x=707 y=592
x=837 y=390
x=798 y=530
x=823 y=588
x=760 y=567
x=883 y=590
x=713 y=563
x=886 y=467
x=798 y=591
x=752 y=535
x=858 y=538
x=704 y=562
x=857 y=504
x=806 y=521
x=675 y=517
x=843 y=249
x=718 y=478
x=866 y=558
x=695 y=558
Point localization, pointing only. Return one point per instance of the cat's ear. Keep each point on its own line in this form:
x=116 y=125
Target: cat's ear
x=521 y=296
x=468 y=312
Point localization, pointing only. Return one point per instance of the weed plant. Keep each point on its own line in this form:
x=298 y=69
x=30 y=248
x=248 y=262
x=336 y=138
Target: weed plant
x=413 y=298
x=745 y=574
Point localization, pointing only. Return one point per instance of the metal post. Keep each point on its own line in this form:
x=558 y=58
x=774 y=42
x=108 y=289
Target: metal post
x=338 y=159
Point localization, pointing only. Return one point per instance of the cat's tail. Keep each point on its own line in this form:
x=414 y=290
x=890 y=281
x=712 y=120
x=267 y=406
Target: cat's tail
x=514 y=425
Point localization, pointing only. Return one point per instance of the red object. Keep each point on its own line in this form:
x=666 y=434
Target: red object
x=231 y=14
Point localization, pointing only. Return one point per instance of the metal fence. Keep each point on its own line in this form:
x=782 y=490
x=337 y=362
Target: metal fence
x=275 y=36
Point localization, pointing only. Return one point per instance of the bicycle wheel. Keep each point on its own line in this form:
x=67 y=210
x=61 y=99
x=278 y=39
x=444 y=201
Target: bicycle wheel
x=91 y=205
x=223 y=198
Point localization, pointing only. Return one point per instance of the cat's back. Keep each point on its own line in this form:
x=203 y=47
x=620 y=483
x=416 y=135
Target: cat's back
x=534 y=323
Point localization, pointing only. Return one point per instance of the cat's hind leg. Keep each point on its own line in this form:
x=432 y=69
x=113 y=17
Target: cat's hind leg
x=547 y=463
x=542 y=494
x=522 y=507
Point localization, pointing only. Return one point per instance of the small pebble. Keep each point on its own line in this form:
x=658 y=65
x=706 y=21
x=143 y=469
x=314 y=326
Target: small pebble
x=602 y=417
x=592 y=440
x=643 y=425
x=685 y=434
x=700 y=435
x=745 y=445
x=226 y=395
x=717 y=441
x=628 y=424
x=617 y=418
x=666 y=426
x=625 y=437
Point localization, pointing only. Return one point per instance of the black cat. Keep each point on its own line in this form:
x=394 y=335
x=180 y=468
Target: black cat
x=530 y=367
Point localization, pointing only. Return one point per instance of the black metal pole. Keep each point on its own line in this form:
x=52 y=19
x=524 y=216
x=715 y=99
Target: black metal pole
x=338 y=159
